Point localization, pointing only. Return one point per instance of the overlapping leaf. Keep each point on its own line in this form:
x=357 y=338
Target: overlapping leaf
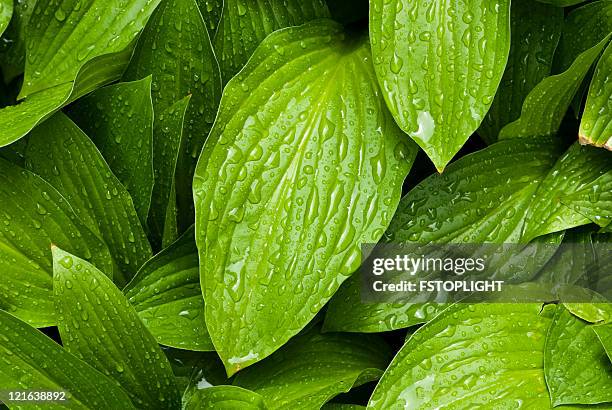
x=536 y=29
x=575 y=362
x=313 y=368
x=12 y=52
x=469 y=356
x=98 y=325
x=304 y=164
x=119 y=120
x=34 y=216
x=439 y=65
x=211 y=12
x=604 y=333
x=593 y=200
x=6 y=12
x=167 y=296
x=225 y=398
x=596 y=122
x=33 y=362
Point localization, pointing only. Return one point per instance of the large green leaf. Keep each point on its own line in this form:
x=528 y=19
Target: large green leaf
x=65 y=157
x=244 y=24
x=439 y=65
x=119 y=120
x=313 y=368
x=62 y=37
x=604 y=333
x=536 y=29
x=98 y=325
x=33 y=362
x=303 y=165
x=6 y=11
x=33 y=216
x=12 y=49
x=225 y=398
x=575 y=362
x=487 y=355
x=593 y=200
x=596 y=122
x=176 y=49
x=167 y=296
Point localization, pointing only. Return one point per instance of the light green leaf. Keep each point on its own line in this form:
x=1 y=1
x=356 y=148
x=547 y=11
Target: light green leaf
x=12 y=52
x=119 y=120
x=439 y=82
x=597 y=312
x=176 y=49
x=604 y=333
x=468 y=355
x=98 y=325
x=225 y=398
x=33 y=362
x=244 y=25
x=168 y=135
x=62 y=38
x=303 y=165
x=536 y=29
x=6 y=12
x=547 y=103
x=593 y=200
x=313 y=368
x=65 y=157
x=167 y=296
x=596 y=122
x=34 y=216
x=575 y=362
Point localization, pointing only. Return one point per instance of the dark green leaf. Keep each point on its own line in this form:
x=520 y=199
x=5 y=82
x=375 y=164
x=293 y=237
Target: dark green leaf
x=469 y=355
x=65 y=157
x=167 y=296
x=98 y=325
x=536 y=29
x=575 y=362
x=12 y=52
x=225 y=398
x=211 y=12
x=33 y=362
x=244 y=25
x=313 y=368
x=33 y=216
x=303 y=165
x=119 y=120
x=562 y=3
x=439 y=82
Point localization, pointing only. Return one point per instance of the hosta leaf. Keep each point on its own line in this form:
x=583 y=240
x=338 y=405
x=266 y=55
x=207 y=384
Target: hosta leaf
x=468 y=356
x=168 y=134
x=304 y=164
x=211 y=12
x=313 y=368
x=575 y=362
x=596 y=122
x=65 y=157
x=536 y=29
x=119 y=120
x=98 y=325
x=33 y=362
x=225 y=398
x=547 y=103
x=62 y=37
x=166 y=294
x=244 y=24
x=593 y=200
x=33 y=216
x=176 y=49
x=438 y=81
x=12 y=52
x=195 y=370
x=6 y=11
x=604 y=333
x=591 y=312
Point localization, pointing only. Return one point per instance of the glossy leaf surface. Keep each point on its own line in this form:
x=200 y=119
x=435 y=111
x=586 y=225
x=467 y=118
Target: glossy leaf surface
x=225 y=398
x=596 y=122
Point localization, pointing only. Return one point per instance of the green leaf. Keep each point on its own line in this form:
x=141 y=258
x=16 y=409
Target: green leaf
x=597 y=312
x=12 y=52
x=33 y=216
x=62 y=37
x=562 y=3
x=119 y=120
x=6 y=11
x=439 y=82
x=98 y=325
x=596 y=122
x=604 y=333
x=536 y=29
x=168 y=135
x=225 y=398
x=575 y=362
x=468 y=355
x=167 y=296
x=211 y=12
x=303 y=165
x=195 y=370
x=176 y=49
x=342 y=406
x=33 y=362
x=593 y=200
x=313 y=368
x=244 y=25
x=65 y=157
